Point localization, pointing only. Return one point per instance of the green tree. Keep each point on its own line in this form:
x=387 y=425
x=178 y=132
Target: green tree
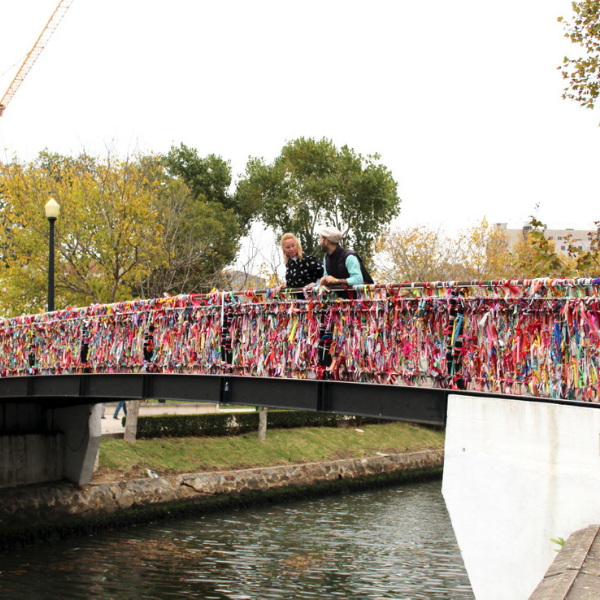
x=200 y=239
x=209 y=180
x=583 y=73
x=313 y=183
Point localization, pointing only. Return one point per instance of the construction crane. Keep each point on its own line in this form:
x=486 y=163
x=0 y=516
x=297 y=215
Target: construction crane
x=49 y=29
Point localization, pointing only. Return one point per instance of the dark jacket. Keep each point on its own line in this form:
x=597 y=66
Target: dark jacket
x=335 y=264
x=299 y=273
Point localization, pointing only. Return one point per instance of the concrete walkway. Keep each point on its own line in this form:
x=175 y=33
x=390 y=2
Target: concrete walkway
x=575 y=572
x=114 y=427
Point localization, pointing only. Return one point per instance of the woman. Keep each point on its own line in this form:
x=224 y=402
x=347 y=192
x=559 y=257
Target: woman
x=300 y=270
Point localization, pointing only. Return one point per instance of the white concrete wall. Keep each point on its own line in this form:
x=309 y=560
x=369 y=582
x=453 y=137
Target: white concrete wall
x=517 y=473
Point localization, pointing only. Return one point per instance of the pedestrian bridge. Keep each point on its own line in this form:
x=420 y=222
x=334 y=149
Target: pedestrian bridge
x=509 y=367
x=393 y=351
x=536 y=338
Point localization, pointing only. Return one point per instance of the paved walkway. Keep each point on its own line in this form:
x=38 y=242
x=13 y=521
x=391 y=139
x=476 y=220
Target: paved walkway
x=575 y=572
x=111 y=426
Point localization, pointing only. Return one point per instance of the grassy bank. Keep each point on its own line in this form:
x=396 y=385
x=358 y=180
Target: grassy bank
x=168 y=456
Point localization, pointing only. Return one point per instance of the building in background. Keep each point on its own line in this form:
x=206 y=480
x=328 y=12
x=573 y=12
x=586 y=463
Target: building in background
x=580 y=238
x=235 y=281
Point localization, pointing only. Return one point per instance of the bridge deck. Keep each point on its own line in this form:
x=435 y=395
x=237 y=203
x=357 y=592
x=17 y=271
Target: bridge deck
x=404 y=403
x=394 y=402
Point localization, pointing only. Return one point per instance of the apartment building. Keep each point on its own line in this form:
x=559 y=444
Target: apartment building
x=580 y=238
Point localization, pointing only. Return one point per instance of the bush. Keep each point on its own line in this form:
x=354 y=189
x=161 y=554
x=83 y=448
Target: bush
x=214 y=425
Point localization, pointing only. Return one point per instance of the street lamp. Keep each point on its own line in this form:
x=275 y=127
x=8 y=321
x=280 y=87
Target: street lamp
x=52 y=209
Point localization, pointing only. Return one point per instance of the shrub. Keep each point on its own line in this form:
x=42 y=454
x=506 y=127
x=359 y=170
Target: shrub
x=221 y=424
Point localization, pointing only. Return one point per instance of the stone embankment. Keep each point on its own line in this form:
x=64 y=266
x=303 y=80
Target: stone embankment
x=575 y=572
x=38 y=512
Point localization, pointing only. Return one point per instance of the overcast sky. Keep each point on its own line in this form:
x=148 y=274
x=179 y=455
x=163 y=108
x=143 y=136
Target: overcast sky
x=461 y=99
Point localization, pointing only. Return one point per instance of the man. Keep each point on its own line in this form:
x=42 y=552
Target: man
x=342 y=266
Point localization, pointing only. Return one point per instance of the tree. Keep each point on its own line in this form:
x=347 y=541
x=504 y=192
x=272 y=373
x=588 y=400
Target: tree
x=421 y=254
x=199 y=238
x=314 y=183
x=535 y=255
x=413 y=254
x=209 y=180
x=486 y=253
x=126 y=228
x=480 y=253
x=583 y=74
x=108 y=234
x=587 y=264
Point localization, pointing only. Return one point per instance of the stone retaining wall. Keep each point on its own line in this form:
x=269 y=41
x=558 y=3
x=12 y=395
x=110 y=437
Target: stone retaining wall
x=41 y=505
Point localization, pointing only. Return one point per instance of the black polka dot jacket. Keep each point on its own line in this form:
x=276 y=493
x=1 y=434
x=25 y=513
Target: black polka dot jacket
x=299 y=273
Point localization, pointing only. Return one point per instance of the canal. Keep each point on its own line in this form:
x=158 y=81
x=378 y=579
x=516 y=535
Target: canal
x=383 y=544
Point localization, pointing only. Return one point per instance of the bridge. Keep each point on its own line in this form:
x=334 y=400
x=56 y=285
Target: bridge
x=510 y=367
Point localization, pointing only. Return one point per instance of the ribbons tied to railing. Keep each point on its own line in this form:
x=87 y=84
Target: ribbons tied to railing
x=535 y=337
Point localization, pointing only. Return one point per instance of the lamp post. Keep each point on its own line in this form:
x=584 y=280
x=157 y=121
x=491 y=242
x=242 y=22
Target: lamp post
x=52 y=209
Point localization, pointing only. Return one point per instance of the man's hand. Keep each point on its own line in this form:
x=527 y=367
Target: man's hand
x=329 y=281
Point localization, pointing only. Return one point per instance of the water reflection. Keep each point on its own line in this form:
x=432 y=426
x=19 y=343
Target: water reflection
x=393 y=543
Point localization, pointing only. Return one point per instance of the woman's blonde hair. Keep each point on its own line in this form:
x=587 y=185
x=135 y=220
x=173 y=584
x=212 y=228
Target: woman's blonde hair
x=290 y=236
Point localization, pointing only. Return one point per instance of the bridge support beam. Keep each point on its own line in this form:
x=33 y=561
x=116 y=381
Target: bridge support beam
x=81 y=428
x=40 y=444
x=518 y=472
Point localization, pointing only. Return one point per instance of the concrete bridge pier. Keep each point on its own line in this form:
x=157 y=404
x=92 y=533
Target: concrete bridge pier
x=518 y=472
x=40 y=443
x=82 y=430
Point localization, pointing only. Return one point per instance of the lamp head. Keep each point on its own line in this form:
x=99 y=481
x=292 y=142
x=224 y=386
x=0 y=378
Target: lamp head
x=52 y=209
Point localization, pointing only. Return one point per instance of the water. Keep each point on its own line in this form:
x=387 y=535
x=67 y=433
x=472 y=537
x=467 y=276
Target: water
x=392 y=543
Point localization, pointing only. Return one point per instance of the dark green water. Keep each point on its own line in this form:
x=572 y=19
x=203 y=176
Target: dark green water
x=392 y=543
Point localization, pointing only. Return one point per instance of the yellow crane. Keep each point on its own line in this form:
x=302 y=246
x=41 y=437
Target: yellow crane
x=49 y=29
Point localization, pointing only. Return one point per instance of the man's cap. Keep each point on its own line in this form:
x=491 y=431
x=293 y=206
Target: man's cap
x=332 y=234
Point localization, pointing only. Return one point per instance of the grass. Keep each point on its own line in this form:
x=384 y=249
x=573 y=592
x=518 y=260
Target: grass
x=169 y=456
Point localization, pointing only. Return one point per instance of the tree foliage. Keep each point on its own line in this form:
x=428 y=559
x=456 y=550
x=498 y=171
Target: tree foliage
x=587 y=263
x=107 y=235
x=126 y=228
x=422 y=254
x=313 y=183
x=481 y=253
x=209 y=180
x=583 y=73
x=199 y=239
x=536 y=256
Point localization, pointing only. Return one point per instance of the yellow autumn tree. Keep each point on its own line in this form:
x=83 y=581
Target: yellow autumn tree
x=586 y=263
x=533 y=260
x=484 y=253
x=126 y=228
x=423 y=254
x=108 y=233
x=412 y=254
x=536 y=256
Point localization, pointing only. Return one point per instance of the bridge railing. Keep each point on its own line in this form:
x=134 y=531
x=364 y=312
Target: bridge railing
x=537 y=337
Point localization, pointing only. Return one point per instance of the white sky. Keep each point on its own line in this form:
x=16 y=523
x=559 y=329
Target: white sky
x=462 y=99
